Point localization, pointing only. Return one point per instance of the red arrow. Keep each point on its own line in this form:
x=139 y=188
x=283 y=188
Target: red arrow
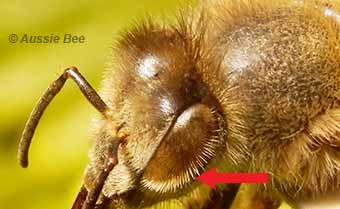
x=211 y=178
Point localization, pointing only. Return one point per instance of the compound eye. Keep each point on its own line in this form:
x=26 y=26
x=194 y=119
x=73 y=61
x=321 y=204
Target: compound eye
x=185 y=152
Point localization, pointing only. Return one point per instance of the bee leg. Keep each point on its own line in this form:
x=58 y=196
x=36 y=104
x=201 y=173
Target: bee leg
x=78 y=203
x=45 y=100
x=88 y=199
x=94 y=193
x=98 y=184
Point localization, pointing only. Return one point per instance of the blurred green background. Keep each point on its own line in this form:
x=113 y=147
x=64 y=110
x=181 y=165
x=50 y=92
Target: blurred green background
x=58 y=155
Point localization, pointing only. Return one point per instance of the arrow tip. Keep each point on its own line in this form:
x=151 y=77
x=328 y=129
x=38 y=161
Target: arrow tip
x=209 y=178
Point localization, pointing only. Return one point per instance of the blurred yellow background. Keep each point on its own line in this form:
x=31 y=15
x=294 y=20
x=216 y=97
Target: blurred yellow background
x=60 y=145
x=58 y=154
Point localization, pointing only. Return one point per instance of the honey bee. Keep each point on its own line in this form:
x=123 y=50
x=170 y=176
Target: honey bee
x=238 y=85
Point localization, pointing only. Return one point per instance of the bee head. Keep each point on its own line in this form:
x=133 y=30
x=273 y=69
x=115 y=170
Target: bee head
x=173 y=122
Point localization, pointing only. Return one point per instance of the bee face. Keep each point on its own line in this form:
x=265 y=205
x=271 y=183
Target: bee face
x=172 y=119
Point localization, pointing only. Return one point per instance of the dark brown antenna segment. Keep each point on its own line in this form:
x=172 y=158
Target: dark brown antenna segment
x=45 y=100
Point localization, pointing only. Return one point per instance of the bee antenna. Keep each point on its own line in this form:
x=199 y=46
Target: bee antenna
x=45 y=100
